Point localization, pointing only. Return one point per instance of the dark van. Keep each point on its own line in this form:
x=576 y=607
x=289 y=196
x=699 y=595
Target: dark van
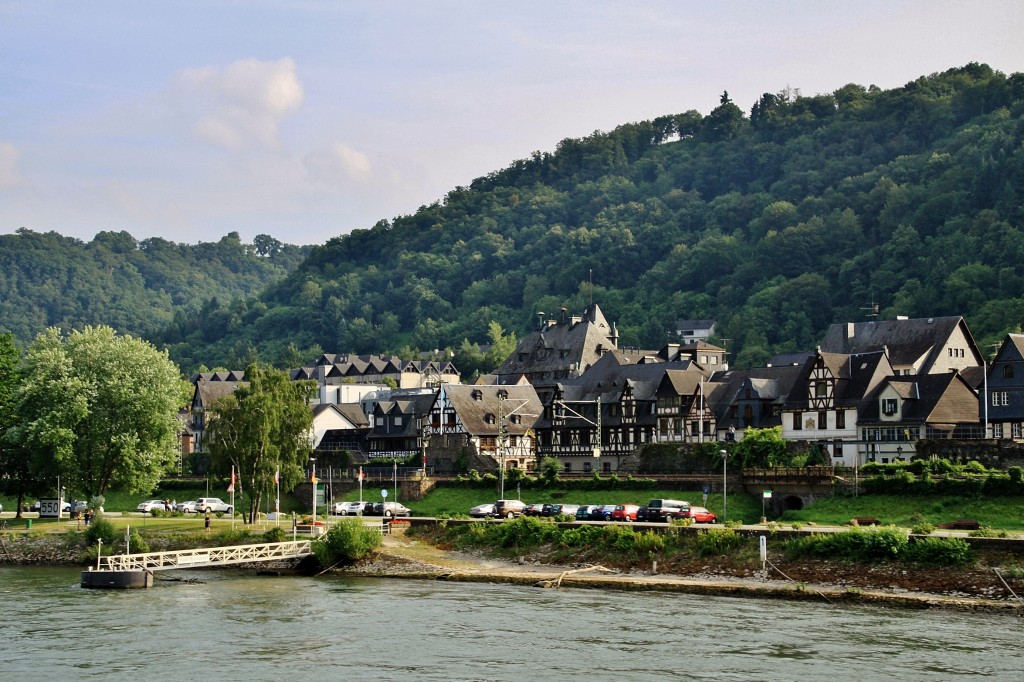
x=666 y=510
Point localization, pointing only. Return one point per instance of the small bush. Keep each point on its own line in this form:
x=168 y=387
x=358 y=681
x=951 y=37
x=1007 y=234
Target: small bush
x=100 y=529
x=939 y=552
x=136 y=543
x=717 y=541
x=986 y=532
x=922 y=528
x=347 y=541
x=275 y=534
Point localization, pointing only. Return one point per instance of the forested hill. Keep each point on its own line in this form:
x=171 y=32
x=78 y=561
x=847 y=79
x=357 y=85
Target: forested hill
x=136 y=287
x=776 y=221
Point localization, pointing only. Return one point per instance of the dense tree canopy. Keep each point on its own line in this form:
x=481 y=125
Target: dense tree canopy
x=98 y=410
x=136 y=287
x=808 y=211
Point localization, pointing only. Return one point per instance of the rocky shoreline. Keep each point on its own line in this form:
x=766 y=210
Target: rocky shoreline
x=409 y=559
x=828 y=582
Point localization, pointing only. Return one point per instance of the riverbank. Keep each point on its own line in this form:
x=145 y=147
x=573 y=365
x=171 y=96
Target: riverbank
x=404 y=557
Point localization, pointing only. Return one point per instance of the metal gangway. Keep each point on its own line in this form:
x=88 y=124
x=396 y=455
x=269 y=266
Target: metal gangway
x=207 y=556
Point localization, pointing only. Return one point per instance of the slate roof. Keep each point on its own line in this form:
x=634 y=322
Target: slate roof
x=776 y=383
x=908 y=341
x=563 y=349
x=927 y=398
x=474 y=412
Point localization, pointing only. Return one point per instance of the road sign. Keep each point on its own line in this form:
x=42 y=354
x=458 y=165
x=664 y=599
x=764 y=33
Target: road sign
x=384 y=492
x=767 y=494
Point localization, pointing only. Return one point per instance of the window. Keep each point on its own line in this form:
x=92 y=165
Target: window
x=1007 y=371
x=568 y=467
x=840 y=419
x=1000 y=399
x=1016 y=429
x=798 y=421
x=823 y=420
x=997 y=430
x=821 y=389
x=587 y=466
x=889 y=406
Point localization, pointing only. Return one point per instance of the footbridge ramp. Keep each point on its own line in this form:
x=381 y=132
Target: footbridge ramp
x=207 y=556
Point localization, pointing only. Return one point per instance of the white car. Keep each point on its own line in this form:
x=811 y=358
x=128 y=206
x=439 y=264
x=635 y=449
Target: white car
x=187 y=507
x=149 y=505
x=482 y=510
x=348 y=508
x=212 y=505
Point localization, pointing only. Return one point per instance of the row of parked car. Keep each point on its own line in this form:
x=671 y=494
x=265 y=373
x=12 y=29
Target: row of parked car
x=657 y=510
x=385 y=509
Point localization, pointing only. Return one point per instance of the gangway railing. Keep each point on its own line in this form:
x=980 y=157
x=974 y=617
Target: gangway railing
x=207 y=556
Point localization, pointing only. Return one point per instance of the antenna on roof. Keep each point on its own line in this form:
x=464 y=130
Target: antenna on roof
x=591 y=286
x=871 y=310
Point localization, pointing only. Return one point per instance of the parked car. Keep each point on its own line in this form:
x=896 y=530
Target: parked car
x=188 y=507
x=666 y=510
x=560 y=509
x=390 y=509
x=64 y=507
x=602 y=512
x=536 y=509
x=701 y=515
x=583 y=511
x=625 y=512
x=482 y=511
x=149 y=505
x=213 y=505
x=348 y=508
x=509 y=509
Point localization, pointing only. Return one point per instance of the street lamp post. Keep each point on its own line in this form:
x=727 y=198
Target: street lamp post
x=313 y=479
x=725 y=459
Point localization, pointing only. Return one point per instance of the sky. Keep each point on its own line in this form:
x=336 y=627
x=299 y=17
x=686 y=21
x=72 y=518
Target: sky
x=304 y=120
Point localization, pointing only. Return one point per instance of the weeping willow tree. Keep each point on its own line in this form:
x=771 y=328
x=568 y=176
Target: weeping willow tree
x=262 y=430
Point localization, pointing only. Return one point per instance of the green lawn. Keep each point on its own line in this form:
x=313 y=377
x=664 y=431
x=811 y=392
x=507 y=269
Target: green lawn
x=1004 y=513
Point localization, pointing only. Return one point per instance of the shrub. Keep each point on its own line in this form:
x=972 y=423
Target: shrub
x=347 y=541
x=922 y=528
x=717 y=541
x=275 y=534
x=100 y=529
x=1016 y=474
x=986 y=532
x=855 y=544
x=939 y=552
x=975 y=467
x=524 y=532
x=136 y=543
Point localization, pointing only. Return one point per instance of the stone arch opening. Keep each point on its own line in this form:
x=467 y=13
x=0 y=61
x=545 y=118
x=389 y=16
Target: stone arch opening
x=792 y=502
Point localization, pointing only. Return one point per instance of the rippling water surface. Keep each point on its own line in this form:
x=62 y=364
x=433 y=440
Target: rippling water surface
x=236 y=626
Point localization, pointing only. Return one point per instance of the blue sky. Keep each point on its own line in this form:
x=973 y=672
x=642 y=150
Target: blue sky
x=304 y=120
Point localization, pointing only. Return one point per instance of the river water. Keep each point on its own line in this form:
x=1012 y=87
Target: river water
x=238 y=626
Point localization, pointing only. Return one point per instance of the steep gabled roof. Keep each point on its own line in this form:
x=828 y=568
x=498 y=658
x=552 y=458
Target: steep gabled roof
x=909 y=341
x=928 y=398
x=480 y=407
x=563 y=347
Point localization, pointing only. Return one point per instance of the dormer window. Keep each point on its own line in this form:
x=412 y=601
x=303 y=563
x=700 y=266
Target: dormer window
x=503 y=394
x=489 y=418
x=889 y=406
x=477 y=395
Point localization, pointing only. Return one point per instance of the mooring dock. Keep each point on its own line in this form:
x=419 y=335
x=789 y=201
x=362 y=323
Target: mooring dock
x=131 y=571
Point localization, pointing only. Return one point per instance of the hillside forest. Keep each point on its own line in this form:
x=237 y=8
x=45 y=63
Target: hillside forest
x=136 y=287
x=775 y=220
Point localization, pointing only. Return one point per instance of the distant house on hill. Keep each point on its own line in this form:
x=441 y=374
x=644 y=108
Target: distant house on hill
x=695 y=330
x=335 y=372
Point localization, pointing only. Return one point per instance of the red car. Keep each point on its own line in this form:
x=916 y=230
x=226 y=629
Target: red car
x=701 y=515
x=625 y=512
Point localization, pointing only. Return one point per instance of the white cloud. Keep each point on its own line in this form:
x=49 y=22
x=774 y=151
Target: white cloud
x=334 y=165
x=243 y=105
x=9 y=175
